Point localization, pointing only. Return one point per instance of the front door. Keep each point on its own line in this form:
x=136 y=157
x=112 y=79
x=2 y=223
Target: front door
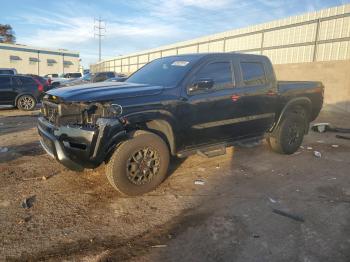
x=206 y=113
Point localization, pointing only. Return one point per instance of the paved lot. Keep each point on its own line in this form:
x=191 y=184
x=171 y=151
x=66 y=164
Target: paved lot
x=78 y=216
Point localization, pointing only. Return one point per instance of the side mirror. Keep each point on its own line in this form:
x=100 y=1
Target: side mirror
x=201 y=84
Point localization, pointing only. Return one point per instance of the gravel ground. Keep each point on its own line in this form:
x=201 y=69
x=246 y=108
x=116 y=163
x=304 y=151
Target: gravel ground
x=79 y=217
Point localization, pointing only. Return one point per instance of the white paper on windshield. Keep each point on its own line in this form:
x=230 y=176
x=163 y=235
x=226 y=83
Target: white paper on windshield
x=180 y=63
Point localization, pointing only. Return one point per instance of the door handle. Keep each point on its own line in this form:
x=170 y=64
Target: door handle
x=235 y=98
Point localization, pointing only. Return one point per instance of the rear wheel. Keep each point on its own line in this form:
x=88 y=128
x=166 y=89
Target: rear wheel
x=26 y=103
x=138 y=165
x=289 y=134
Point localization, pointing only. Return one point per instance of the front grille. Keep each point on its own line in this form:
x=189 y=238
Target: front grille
x=50 y=112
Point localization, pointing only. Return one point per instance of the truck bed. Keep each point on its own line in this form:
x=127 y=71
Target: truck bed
x=310 y=89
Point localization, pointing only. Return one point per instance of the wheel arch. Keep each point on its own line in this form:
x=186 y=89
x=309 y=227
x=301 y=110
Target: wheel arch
x=158 y=122
x=24 y=94
x=294 y=105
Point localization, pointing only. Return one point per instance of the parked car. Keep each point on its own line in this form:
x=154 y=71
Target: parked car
x=51 y=76
x=8 y=71
x=118 y=78
x=175 y=106
x=88 y=79
x=82 y=80
x=102 y=76
x=24 y=92
x=72 y=75
x=57 y=81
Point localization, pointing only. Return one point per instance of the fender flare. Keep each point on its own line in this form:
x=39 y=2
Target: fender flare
x=299 y=101
x=160 y=122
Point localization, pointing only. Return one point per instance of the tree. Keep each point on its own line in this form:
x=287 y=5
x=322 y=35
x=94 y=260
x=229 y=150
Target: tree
x=7 y=35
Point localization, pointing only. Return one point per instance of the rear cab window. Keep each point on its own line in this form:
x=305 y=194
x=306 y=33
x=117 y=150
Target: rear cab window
x=253 y=73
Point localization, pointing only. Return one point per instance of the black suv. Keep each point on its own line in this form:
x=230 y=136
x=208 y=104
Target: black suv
x=21 y=91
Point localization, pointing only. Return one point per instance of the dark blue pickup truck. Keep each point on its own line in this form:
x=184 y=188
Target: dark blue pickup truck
x=175 y=106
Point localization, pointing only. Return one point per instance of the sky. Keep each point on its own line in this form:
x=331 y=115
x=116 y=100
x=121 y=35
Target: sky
x=133 y=26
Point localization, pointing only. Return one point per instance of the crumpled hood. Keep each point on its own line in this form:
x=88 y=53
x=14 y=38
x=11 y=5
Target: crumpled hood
x=104 y=91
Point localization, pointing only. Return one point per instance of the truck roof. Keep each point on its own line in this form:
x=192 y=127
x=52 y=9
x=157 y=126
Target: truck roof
x=202 y=55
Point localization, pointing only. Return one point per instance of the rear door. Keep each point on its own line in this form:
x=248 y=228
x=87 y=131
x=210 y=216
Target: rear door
x=26 y=85
x=7 y=92
x=254 y=96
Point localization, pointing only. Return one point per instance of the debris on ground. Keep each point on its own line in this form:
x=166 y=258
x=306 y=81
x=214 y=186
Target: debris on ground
x=256 y=236
x=324 y=127
x=317 y=154
x=29 y=202
x=3 y=149
x=199 y=182
x=302 y=147
x=159 y=246
x=335 y=146
x=320 y=127
x=37 y=178
x=343 y=137
x=287 y=214
x=272 y=200
x=320 y=141
x=309 y=148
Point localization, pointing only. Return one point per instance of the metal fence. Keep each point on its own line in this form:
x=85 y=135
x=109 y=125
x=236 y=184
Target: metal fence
x=316 y=36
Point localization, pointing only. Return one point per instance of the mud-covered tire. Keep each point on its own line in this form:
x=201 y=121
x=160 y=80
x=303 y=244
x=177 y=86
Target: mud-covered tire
x=26 y=103
x=122 y=169
x=289 y=134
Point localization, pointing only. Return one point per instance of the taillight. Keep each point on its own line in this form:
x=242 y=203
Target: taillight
x=40 y=86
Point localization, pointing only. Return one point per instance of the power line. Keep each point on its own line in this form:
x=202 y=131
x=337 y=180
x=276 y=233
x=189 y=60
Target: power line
x=99 y=27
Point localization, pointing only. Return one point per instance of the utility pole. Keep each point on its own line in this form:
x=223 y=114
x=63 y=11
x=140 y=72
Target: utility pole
x=98 y=29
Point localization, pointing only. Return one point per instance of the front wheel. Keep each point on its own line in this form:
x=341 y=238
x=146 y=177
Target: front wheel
x=26 y=103
x=288 y=136
x=138 y=165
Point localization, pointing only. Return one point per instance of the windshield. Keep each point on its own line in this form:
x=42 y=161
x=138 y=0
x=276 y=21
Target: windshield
x=167 y=71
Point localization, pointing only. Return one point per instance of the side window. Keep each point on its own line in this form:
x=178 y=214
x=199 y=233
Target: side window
x=219 y=72
x=253 y=73
x=6 y=72
x=26 y=80
x=5 y=82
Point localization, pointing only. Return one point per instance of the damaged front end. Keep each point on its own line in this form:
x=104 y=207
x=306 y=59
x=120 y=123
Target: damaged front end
x=80 y=135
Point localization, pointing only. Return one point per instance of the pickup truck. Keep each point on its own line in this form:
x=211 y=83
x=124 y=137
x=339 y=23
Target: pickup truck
x=174 y=107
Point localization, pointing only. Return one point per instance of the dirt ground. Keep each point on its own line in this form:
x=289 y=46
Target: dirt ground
x=79 y=217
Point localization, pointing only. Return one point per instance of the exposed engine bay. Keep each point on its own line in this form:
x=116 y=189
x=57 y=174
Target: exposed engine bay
x=78 y=113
